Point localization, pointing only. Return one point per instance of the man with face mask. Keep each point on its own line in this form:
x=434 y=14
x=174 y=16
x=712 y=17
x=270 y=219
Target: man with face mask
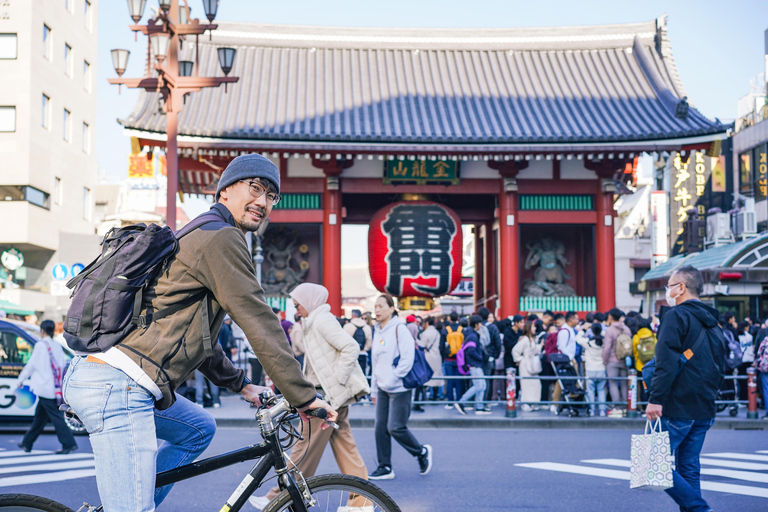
x=684 y=396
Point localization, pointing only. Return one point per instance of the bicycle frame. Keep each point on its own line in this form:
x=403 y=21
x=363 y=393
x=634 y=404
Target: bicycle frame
x=271 y=455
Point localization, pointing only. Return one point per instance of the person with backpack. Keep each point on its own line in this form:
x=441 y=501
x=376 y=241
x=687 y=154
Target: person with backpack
x=429 y=339
x=391 y=339
x=746 y=342
x=684 y=396
x=44 y=371
x=361 y=332
x=470 y=360
x=493 y=351
x=331 y=364
x=451 y=340
x=643 y=350
x=617 y=345
x=591 y=341
x=124 y=392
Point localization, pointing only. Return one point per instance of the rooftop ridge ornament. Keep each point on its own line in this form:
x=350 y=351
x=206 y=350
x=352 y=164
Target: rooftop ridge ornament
x=173 y=78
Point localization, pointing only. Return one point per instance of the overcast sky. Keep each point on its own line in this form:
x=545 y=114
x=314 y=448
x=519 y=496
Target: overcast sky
x=718 y=46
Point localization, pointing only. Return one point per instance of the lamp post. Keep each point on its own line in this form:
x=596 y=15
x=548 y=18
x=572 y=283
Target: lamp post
x=174 y=78
x=259 y=258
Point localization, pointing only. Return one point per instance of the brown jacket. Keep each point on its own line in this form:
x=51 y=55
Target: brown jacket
x=212 y=258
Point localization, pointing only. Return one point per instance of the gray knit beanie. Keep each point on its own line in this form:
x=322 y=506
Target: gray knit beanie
x=248 y=166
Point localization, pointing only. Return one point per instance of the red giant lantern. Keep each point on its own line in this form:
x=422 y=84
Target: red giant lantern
x=414 y=249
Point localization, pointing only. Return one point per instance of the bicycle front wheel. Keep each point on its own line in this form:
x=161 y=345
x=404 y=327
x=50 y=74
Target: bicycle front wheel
x=30 y=503
x=338 y=493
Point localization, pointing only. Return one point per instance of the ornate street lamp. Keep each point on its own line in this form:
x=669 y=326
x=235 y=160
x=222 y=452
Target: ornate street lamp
x=136 y=9
x=160 y=42
x=210 y=6
x=185 y=68
x=172 y=77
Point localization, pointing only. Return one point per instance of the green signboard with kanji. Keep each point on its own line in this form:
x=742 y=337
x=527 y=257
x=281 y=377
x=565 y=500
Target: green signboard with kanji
x=421 y=172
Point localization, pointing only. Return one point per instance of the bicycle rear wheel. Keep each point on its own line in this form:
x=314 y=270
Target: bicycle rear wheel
x=338 y=493
x=30 y=503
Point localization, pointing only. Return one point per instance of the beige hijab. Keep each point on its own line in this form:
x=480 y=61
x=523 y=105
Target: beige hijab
x=311 y=296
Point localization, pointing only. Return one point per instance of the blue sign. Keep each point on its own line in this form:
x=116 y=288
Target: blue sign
x=76 y=269
x=60 y=272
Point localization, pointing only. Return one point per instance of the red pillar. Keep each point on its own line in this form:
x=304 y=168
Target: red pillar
x=172 y=167
x=604 y=250
x=479 y=279
x=509 y=261
x=332 y=243
x=490 y=267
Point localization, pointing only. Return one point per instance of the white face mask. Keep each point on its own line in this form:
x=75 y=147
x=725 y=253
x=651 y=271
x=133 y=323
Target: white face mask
x=672 y=301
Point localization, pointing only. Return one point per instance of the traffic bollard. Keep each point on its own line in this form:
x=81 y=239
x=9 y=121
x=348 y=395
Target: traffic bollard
x=511 y=410
x=632 y=394
x=751 y=393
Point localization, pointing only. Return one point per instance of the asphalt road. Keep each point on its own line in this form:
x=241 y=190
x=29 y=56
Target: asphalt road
x=474 y=470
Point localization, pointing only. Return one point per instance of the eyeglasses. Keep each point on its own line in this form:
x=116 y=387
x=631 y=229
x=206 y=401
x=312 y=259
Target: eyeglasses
x=669 y=287
x=257 y=190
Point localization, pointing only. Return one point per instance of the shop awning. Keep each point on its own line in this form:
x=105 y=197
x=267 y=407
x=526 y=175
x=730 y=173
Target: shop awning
x=15 y=309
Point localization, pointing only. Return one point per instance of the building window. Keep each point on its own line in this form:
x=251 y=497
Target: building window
x=7 y=119
x=86 y=76
x=8 y=46
x=47 y=41
x=67 y=60
x=58 y=194
x=87 y=12
x=25 y=193
x=46 y=112
x=86 y=138
x=67 y=125
x=86 y=203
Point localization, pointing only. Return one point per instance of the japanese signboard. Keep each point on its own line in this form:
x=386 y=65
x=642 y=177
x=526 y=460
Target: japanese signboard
x=761 y=172
x=745 y=173
x=414 y=249
x=690 y=190
x=718 y=175
x=139 y=166
x=659 y=227
x=421 y=171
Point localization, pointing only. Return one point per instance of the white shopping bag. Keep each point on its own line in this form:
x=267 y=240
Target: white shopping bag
x=651 y=459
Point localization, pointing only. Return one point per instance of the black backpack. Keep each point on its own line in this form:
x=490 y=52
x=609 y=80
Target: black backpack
x=108 y=294
x=360 y=337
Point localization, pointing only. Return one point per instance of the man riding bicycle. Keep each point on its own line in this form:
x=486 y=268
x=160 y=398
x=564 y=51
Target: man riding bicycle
x=125 y=396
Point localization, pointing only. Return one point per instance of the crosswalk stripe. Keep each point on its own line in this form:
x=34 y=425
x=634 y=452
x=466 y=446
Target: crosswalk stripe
x=43 y=458
x=725 y=473
x=22 y=453
x=87 y=463
x=742 y=456
x=744 y=490
x=735 y=464
x=41 y=478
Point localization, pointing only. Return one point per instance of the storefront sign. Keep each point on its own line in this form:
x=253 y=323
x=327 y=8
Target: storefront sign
x=466 y=287
x=745 y=173
x=659 y=227
x=139 y=166
x=761 y=174
x=718 y=174
x=689 y=190
x=414 y=249
x=12 y=259
x=421 y=171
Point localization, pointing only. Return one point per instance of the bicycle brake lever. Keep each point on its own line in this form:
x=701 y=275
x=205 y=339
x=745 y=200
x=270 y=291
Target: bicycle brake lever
x=322 y=414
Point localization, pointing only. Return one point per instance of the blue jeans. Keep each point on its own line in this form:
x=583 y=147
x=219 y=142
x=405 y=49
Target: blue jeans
x=452 y=386
x=596 y=381
x=124 y=426
x=478 y=388
x=764 y=381
x=686 y=437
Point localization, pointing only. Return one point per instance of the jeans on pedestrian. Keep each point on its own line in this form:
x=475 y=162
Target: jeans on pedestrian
x=764 y=381
x=686 y=437
x=124 y=426
x=392 y=413
x=200 y=381
x=452 y=386
x=618 y=388
x=477 y=390
x=596 y=381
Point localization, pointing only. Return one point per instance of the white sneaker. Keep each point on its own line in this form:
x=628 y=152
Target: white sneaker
x=450 y=406
x=259 y=502
x=355 y=509
x=553 y=409
x=527 y=408
x=216 y=406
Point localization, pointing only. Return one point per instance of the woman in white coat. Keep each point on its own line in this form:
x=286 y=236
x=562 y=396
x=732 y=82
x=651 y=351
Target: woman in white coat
x=330 y=363
x=527 y=353
x=430 y=340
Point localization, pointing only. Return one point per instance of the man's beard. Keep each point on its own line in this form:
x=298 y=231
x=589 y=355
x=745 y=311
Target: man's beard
x=248 y=223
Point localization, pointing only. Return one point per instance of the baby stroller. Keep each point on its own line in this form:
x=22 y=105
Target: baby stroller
x=573 y=390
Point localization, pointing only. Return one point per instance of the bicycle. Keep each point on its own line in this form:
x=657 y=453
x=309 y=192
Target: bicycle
x=342 y=493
